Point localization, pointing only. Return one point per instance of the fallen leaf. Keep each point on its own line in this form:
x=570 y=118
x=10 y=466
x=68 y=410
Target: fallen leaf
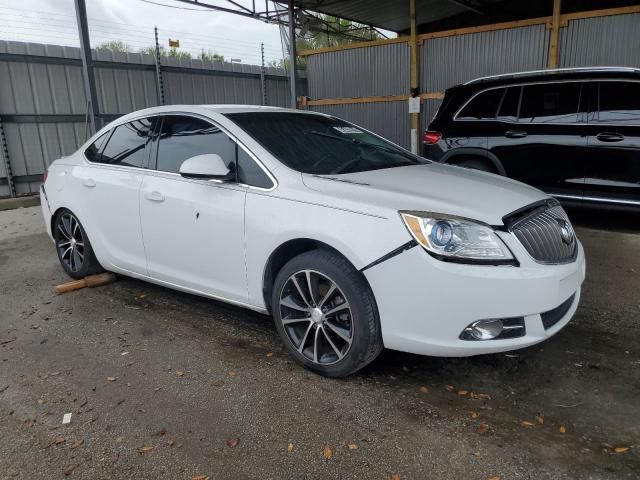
x=476 y=454
x=395 y=476
x=200 y=477
x=352 y=446
x=450 y=388
x=145 y=449
x=483 y=428
x=59 y=440
x=233 y=442
x=494 y=478
x=232 y=373
x=69 y=470
x=290 y=447
x=475 y=414
x=217 y=383
x=540 y=419
x=111 y=379
x=171 y=443
x=179 y=373
x=462 y=392
x=270 y=354
x=480 y=396
x=77 y=443
x=621 y=449
x=423 y=389
x=160 y=432
x=327 y=452
x=527 y=424
x=563 y=429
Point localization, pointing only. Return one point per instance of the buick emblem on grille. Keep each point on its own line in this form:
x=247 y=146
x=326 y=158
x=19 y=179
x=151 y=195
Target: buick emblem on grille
x=566 y=231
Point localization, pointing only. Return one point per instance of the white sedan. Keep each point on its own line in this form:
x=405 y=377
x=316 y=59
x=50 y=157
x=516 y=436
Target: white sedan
x=350 y=242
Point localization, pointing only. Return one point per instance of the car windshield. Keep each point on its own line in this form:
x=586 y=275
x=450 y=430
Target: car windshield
x=321 y=145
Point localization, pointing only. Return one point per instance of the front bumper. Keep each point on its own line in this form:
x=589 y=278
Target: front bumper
x=425 y=303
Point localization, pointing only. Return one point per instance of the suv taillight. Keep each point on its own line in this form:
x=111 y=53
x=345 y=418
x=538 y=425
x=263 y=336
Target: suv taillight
x=45 y=175
x=430 y=137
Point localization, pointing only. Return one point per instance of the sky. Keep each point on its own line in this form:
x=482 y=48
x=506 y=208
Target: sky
x=132 y=21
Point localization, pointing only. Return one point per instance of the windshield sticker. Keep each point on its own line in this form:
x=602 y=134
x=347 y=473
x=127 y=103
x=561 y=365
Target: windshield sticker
x=347 y=130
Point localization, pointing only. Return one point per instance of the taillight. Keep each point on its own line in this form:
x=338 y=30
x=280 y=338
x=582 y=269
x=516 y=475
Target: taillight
x=431 y=137
x=45 y=175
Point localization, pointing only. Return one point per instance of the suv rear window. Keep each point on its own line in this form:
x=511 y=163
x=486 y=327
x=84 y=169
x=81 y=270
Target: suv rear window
x=620 y=102
x=483 y=106
x=550 y=103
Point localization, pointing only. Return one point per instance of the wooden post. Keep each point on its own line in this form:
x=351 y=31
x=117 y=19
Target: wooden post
x=415 y=78
x=555 y=35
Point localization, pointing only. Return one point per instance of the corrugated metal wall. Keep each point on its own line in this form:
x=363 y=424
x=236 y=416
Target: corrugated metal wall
x=361 y=72
x=601 y=41
x=388 y=119
x=43 y=106
x=448 y=61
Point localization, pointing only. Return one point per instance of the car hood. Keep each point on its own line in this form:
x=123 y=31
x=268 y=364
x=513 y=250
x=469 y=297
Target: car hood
x=431 y=187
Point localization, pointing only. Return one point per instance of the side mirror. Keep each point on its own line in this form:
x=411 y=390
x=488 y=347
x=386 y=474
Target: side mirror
x=209 y=166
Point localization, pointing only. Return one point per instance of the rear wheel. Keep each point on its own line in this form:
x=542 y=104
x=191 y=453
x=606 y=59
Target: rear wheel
x=73 y=247
x=477 y=163
x=326 y=314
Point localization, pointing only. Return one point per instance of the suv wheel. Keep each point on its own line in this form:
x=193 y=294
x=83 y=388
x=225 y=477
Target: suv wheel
x=326 y=314
x=478 y=164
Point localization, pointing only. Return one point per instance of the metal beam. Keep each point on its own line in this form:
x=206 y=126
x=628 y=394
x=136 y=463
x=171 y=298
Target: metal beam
x=87 y=66
x=415 y=78
x=293 y=66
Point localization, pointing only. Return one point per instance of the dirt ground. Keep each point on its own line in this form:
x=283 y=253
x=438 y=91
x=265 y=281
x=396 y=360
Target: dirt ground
x=162 y=384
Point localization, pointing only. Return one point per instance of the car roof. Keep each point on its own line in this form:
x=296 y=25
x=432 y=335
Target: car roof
x=555 y=74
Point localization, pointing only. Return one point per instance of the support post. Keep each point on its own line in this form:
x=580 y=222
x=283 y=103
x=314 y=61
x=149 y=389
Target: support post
x=555 y=35
x=159 y=83
x=415 y=92
x=87 y=66
x=293 y=67
x=7 y=161
x=263 y=78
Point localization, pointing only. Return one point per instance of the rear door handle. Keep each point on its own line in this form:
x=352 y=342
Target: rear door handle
x=515 y=134
x=89 y=183
x=610 y=137
x=154 y=196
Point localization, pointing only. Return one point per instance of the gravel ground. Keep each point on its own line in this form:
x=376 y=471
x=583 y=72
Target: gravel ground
x=162 y=384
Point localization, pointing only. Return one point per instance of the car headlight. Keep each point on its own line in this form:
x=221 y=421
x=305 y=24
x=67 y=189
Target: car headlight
x=456 y=239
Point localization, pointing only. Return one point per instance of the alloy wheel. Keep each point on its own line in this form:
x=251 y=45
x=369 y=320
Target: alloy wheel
x=316 y=317
x=70 y=241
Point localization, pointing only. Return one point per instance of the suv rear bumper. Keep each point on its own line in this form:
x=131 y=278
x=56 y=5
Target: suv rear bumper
x=425 y=304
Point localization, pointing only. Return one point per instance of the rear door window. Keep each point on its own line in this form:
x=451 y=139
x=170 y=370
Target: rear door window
x=550 y=103
x=483 y=106
x=183 y=137
x=94 y=152
x=127 y=146
x=508 y=111
x=619 y=102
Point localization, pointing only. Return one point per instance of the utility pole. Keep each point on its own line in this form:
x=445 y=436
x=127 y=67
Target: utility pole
x=159 y=83
x=293 y=67
x=87 y=66
x=263 y=79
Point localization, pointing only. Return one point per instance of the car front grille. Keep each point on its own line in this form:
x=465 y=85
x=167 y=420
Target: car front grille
x=546 y=233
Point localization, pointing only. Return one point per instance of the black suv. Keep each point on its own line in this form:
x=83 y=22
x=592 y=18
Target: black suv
x=574 y=133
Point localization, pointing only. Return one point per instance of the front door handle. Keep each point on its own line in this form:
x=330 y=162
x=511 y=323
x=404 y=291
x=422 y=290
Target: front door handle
x=89 y=183
x=515 y=134
x=610 y=137
x=154 y=196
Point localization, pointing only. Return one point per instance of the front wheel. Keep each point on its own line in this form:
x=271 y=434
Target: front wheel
x=326 y=314
x=73 y=247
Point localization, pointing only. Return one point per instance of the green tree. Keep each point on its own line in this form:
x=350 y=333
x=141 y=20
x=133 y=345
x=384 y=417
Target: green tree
x=116 y=46
x=211 y=56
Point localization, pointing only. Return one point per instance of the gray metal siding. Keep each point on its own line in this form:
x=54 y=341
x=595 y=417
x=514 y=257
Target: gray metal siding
x=361 y=72
x=601 y=41
x=388 y=119
x=448 y=61
x=51 y=84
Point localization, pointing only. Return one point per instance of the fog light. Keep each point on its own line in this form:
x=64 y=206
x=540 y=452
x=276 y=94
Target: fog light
x=486 y=329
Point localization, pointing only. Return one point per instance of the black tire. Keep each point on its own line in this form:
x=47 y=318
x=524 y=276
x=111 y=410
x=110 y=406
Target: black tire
x=73 y=246
x=478 y=164
x=351 y=289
